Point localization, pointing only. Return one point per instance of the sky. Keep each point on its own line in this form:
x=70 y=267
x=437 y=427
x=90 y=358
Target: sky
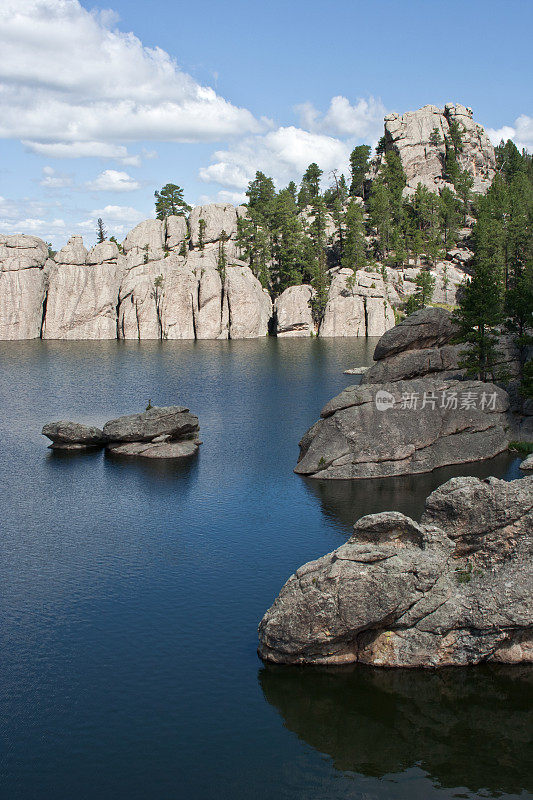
x=100 y=106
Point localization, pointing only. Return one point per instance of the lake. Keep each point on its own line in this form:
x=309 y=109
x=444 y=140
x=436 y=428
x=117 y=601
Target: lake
x=131 y=593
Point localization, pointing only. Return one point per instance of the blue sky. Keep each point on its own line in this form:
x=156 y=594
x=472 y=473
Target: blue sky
x=102 y=105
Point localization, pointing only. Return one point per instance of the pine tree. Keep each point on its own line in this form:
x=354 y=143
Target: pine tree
x=354 y=253
x=169 y=202
x=358 y=169
x=101 y=233
x=449 y=216
x=310 y=186
x=425 y=286
x=202 y=225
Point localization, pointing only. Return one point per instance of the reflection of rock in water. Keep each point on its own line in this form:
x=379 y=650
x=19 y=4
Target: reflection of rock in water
x=465 y=727
x=347 y=501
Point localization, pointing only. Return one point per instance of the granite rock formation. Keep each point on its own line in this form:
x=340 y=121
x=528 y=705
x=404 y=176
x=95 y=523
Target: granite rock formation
x=454 y=589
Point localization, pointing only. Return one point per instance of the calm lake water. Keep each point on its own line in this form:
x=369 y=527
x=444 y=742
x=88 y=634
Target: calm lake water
x=131 y=594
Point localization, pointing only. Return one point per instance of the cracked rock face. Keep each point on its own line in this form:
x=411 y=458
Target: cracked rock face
x=423 y=424
x=403 y=594
x=173 y=421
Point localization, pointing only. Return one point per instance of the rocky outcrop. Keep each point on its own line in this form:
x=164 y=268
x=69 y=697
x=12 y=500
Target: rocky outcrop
x=158 y=432
x=23 y=272
x=292 y=312
x=67 y=435
x=82 y=298
x=166 y=432
x=250 y=306
x=375 y=431
x=357 y=305
x=456 y=589
x=412 y=136
x=429 y=327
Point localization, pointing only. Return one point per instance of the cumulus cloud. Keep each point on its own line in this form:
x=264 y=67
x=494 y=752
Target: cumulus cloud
x=521 y=133
x=362 y=120
x=111 y=180
x=125 y=214
x=283 y=153
x=54 y=180
x=71 y=86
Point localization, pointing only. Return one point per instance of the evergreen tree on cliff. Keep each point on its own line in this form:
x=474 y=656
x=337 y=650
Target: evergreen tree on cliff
x=169 y=202
x=101 y=233
x=358 y=168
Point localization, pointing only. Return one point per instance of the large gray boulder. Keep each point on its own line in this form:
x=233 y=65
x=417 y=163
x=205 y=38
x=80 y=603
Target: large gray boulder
x=74 y=252
x=456 y=589
x=380 y=430
x=250 y=306
x=429 y=327
x=173 y=421
x=66 y=435
x=292 y=312
x=219 y=219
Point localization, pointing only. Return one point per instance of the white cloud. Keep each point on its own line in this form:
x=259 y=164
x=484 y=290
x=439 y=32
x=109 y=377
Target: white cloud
x=283 y=154
x=54 y=180
x=119 y=214
x=111 y=180
x=72 y=86
x=364 y=120
x=521 y=133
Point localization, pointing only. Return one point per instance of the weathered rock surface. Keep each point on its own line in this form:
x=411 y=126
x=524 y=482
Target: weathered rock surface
x=250 y=306
x=183 y=449
x=23 y=273
x=292 y=311
x=429 y=327
x=74 y=252
x=175 y=422
x=527 y=463
x=82 y=301
x=456 y=589
x=218 y=218
x=423 y=160
x=357 y=305
x=177 y=231
x=66 y=435
x=423 y=424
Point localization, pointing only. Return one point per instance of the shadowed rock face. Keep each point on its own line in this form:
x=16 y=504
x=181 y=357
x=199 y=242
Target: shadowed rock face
x=429 y=327
x=378 y=722
x=455 y=589
x=359 y=438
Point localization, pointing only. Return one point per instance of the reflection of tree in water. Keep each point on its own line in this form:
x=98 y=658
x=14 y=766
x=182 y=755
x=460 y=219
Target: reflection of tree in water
x=347 y=501
x=465 y=727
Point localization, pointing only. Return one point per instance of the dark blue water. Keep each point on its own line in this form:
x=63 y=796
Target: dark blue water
x=131 y=593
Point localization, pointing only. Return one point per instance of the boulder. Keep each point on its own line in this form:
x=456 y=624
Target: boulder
x=527 y=463
x=292 y=311
x=67 y=435
x=442 y=361
x=147 y=239
x=184 y=449
x=176 y=231
x=171 y=421
x=74 y=252
x=455 y=589
x=104 y=251
x=249 y=305
x=380 y=430
x=82 y=301
x=19 y=252
x=429 y=327
x=218 y=218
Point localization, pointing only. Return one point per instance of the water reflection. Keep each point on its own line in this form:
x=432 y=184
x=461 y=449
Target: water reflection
x=464 y=727
x=345 y=501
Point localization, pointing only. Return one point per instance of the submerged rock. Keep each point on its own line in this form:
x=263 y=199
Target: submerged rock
x=66 y=435
x=375 y=431
x=455 y=589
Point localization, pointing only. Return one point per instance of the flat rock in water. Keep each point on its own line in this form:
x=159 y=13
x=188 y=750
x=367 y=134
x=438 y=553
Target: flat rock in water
x=174 y=421
x=168 y=449
x=72 y=435
x=455 y=589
